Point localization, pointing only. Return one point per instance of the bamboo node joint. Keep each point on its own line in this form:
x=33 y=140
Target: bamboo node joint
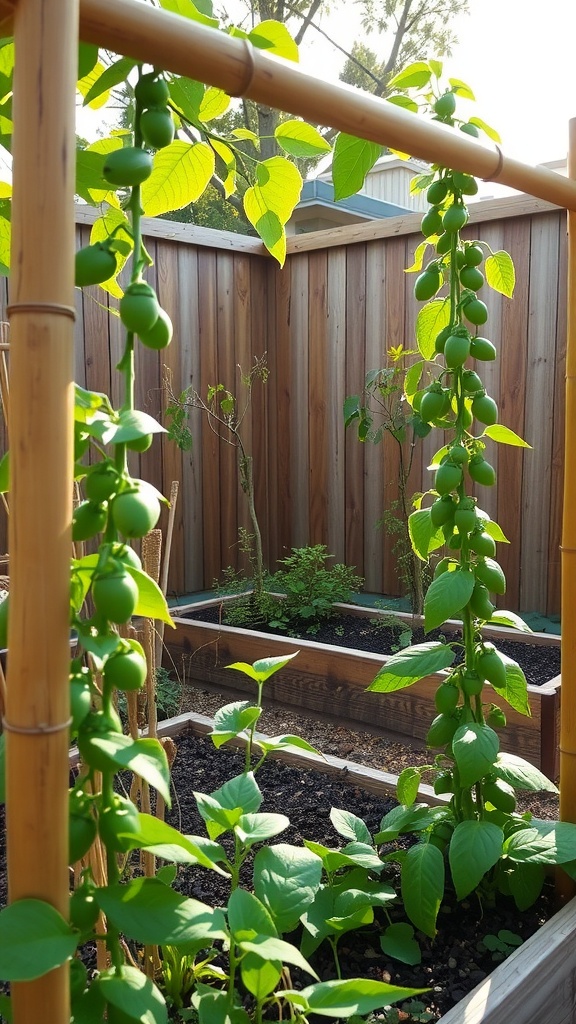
x=38 y=730
x=41 y=307
x=496 y=174
x=249 y=70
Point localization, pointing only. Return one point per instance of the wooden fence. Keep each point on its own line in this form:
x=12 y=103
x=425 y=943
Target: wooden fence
x=341 y=300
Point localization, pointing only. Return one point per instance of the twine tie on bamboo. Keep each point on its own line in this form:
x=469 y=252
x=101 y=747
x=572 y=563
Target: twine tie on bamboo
x=496 y=174
x=41 y=307
x=250 y=70
x=39 y=730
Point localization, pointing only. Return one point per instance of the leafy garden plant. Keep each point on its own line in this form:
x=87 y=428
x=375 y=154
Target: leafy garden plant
x=478 y=837
x=126 y=912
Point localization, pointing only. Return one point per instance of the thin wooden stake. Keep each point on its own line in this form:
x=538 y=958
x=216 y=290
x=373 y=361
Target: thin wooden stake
x=166 y=564
x=41 y=315
x=568 y=665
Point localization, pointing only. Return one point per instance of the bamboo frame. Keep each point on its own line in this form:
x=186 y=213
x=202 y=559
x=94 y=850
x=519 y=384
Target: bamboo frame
x=41 y=375
x=40 y=425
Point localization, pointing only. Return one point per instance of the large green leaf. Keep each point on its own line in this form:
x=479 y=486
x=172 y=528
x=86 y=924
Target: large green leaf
x=269 y=203
x=135 y=995
x=352 y=160
x=410 y=665
x=424 y=536
x=258 y=827
x=475 y=748
x=413 y=77
x=475 y=847
x=145 y=757
x=286 y=879
x=260 y=671
x=187 y=95
x=503 y=435
x=187 y=9
x=151 y=602
x=34 y=938
x=347 y=997
x=521 y=774
x=350 y=826
x=446 y=596
x=232 y=719
x=525 y=882
x=516 y=689
x=110 y=76
x=215 y=102
x=150 y=912
x=174 y=846
x=505 y=618
x=300 y=139
x=432 y=318
x=543 y=842
x=181 y=173
x=274 y=37
x=398 y=941
x=423 y=886
x=500 y=274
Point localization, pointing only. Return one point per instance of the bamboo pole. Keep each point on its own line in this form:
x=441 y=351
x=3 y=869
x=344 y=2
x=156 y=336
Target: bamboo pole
x=41 y=420
x=185 y=47
x=568 y=717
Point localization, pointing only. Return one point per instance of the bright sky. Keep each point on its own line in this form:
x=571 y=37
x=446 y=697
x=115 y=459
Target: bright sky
x=517 y=56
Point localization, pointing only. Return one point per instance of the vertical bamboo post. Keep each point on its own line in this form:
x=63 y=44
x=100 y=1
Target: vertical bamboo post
x=568 y=715
x=41 y=419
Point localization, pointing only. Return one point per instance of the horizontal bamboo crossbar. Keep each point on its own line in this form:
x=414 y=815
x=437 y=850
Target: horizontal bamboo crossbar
x=154 y=36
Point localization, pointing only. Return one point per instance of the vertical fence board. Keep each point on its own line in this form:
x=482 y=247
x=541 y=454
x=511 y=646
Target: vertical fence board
x=299 y=419
x=355 y=371
x=319 y=452
x=375 y=359
x=336 y=384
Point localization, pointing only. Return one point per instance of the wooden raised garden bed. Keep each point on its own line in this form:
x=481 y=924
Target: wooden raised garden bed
x=536 y=983
x=329 y=680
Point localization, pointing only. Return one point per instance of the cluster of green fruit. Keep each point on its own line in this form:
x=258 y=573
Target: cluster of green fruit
x=129 y=167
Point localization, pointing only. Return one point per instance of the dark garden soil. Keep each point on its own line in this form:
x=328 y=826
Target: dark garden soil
x=539 y=662
x=452 y=964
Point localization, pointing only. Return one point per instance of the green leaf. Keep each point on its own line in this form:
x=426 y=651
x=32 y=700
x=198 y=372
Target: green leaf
x=151 y=602
x=274 y=37
x=111 y=76
x=269 y=203
x=5 y=473
x=516 y=690
x=401 y=819
x=405 y=102
x=87 y=58
x=350 y=826
x=500 y=275
x=446 y=596
x=412 y=378
x=410 y=665
x=247 y=916
x=350 y=996
x=413 y=77
x=285 y=742
x=351 y=409
x=432 y=318
x=240 y=792
x=229 y=160
x=34 y=939
x=215 y=102
x=286 y=879
x=475 y=847
x=268 y=947
x=475 y=748
x=6 y=1009
x=461 y=89
x=423 y=886
x=189 y=10
x=257 y=828
x=181 y=849
x=423 y=534
x=525 y=882
x=5 y=237
x=3 y=768
x=135 y=995
x=352 y=160
x=409 y=783
x=543 y=842
x=503 y=435
x=260 y=671
x=145 y=757
x=398 y=941
x=486 y=128
x=505 y=618
x=133 y=424
x=418 y=259
x=233 y=719
x=180 y=175
x=148 y=911
x=187 y=95
x=495 y=531
x=300 y=139
x=521 y=774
